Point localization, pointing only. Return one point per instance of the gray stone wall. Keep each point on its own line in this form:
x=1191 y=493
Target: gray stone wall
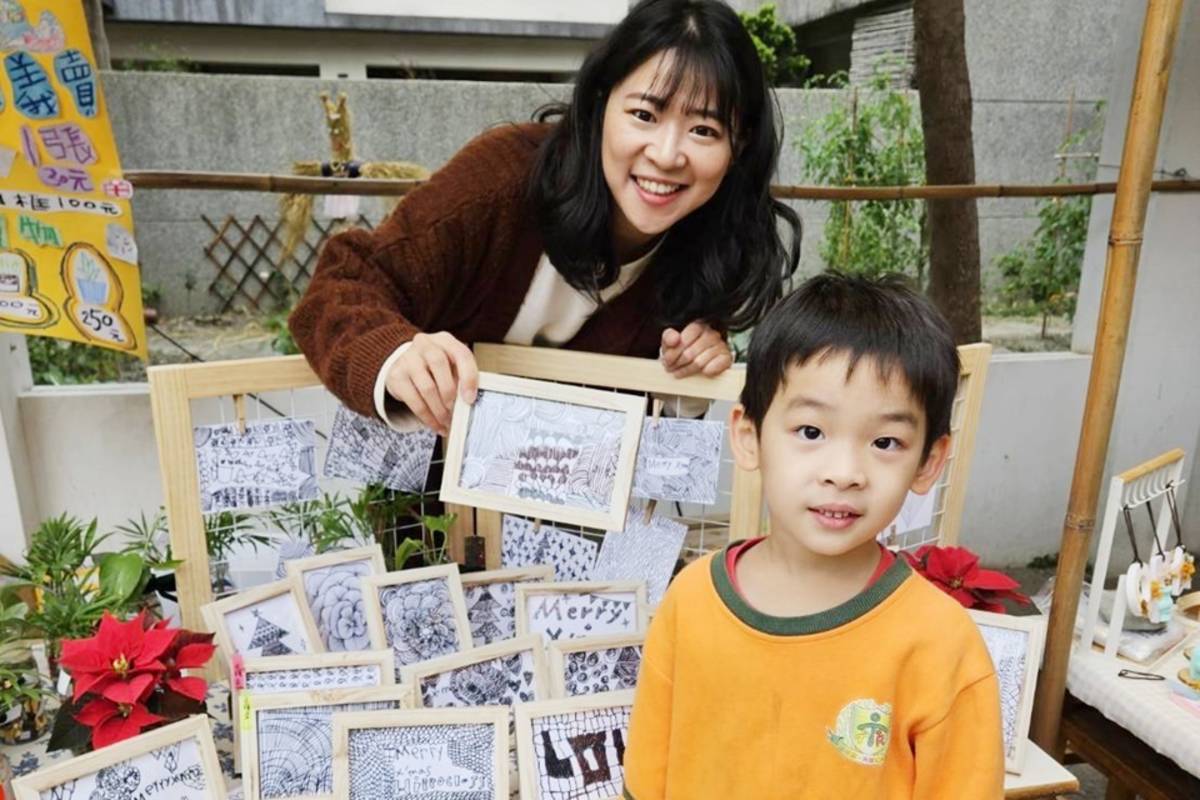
x=263 y=124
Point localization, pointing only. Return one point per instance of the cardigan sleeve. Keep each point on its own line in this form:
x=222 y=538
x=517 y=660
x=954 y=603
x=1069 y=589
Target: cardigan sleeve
x=375 y=290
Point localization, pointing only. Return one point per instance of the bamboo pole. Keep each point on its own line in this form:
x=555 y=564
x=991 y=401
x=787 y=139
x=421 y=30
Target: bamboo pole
x=1116 y=306
x=289 y=184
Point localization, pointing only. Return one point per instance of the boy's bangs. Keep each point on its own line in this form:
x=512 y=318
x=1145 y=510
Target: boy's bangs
x=706 y=84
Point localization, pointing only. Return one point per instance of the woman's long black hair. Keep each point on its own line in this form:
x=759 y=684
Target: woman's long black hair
x=726 y=262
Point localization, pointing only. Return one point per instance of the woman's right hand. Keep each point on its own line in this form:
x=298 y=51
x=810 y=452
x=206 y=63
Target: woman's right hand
x=427 y=375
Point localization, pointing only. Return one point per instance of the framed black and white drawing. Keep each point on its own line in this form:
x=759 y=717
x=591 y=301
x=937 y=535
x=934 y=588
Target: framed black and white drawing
x=491 y=599
x=574 y=749
x=174 y=762
x=524 y=543
x=679 y=460
x=419 y=613
x=267 y=620
x=287 y=738
x=269 y=463
x=357 y=670
x=582 y=609
x=333 y=590
x=595 y=665
x=644 y=550
x=367 y=451
x=1015 y=645
x=500 y=674
x=449 y=754
x=544 y=450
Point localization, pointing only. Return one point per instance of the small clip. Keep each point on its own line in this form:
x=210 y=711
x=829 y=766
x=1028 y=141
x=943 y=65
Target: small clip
x=537 y=525
x=656 y=409
x=1138 y=675
x=239 y=410
x=650 y=506
x=238 y=668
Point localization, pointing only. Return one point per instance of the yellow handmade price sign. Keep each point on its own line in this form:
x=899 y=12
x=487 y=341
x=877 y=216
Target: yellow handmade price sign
x=68 y=259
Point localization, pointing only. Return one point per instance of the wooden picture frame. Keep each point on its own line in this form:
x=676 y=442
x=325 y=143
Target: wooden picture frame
x=481 y=634
x=217 y=612
x=345 y=724
x=528 y=715
x=377 y=622
x=639 y=614
x=609 y=517
x=997 y=631
x=416 y=674
x=196 y=727
x=558 y=654
x=307 y=746
x=301 y=567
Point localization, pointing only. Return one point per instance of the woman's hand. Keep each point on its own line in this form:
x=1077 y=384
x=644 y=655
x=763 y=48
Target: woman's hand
x=698 y=348
x=427 y=375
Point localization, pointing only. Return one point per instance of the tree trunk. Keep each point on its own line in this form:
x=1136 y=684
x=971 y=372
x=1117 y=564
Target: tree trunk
x=945 y=87
x=93 y=11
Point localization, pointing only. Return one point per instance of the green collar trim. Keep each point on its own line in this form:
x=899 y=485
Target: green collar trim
x=835 y=617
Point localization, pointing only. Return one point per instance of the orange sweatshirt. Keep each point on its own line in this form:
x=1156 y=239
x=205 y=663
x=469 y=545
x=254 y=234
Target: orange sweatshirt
x=890 y=695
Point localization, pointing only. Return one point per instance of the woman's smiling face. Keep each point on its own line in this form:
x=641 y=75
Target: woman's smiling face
x=662 y=159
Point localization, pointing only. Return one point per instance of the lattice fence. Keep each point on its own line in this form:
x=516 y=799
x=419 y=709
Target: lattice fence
x=250 y=270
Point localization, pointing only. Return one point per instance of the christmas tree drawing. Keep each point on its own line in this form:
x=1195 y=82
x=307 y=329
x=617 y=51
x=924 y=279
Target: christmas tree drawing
x=484 y=617
x=269 y=637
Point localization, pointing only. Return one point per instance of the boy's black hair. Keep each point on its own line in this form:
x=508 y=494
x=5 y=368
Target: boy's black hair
x=840 y=314
x=726 y=262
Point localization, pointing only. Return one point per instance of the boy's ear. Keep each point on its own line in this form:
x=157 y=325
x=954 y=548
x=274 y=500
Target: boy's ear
x=928 y=474
x=743 y=438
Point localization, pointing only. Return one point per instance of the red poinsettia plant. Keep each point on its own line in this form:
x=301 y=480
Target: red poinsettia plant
x=127 y=678
x=956 y=571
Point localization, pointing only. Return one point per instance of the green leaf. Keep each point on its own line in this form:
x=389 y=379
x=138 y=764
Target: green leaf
x=121 y=574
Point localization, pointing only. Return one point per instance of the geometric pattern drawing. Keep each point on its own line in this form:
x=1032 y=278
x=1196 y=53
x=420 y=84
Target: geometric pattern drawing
x=491 y=610
x=679 y=459
x=610 y=669
x=1008 y=650
x=580 y=755
x=500 y=681
x=271 y=463
x=347 y=676
x=422 y=762
x=576 y=615
x=295 y=748
x=368 y=451
x=642 y=551
x=269 y=628
x=173 y=772
x=544 y=450
x=572 y=556
x=419 y=620
x=336 y=599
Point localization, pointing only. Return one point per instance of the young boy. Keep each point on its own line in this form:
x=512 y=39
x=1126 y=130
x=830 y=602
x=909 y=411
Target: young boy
x=813 y=663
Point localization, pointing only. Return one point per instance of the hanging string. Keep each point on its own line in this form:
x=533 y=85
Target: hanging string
x=1154 y=530
x=1132 y=538
x=1174 y=514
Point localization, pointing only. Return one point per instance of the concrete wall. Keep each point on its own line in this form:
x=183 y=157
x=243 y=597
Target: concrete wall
x=1158 y=407
x=92 y=451
x=263 y=124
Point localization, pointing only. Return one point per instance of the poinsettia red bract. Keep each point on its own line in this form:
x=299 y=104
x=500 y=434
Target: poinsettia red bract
x=120 y=662
x=113 y=722
x=956 y=571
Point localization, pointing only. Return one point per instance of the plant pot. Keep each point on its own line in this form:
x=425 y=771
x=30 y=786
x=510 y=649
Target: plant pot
x=24 y=721
x=218 y=573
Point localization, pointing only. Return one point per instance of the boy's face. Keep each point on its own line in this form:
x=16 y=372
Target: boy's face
x=837 y=454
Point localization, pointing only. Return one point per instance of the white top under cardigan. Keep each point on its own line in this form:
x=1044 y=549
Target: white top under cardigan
x=550 y=315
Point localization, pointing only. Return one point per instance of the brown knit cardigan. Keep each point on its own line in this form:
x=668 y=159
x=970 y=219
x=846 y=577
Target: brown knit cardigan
x=458 y=255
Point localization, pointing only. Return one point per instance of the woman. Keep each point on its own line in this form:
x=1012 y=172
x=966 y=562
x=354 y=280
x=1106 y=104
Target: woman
x=636 y=220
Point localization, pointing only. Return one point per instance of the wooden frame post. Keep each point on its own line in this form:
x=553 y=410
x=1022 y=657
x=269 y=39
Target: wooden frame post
x=1159 y=33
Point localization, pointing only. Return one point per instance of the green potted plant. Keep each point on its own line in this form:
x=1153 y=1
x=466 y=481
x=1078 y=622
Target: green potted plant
x=23 y=695
x=147 y=539
x=224 y=531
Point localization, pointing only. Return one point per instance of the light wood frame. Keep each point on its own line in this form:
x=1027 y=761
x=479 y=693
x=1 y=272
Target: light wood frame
x=415 y=673
x=534 y=573
x=174 y=387
x=557 y=651
x=637 y=588
x=345 y=722
x=613 y=518
x=372 y=584
x=252 y=704
x=527 y=712
x=30 y=787
x=297 y=569
x=215 y=612
x=1034 y=627
x=314 y=661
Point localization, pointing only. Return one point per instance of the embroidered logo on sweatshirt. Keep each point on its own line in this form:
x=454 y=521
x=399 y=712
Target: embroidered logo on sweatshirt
x=861 y=731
